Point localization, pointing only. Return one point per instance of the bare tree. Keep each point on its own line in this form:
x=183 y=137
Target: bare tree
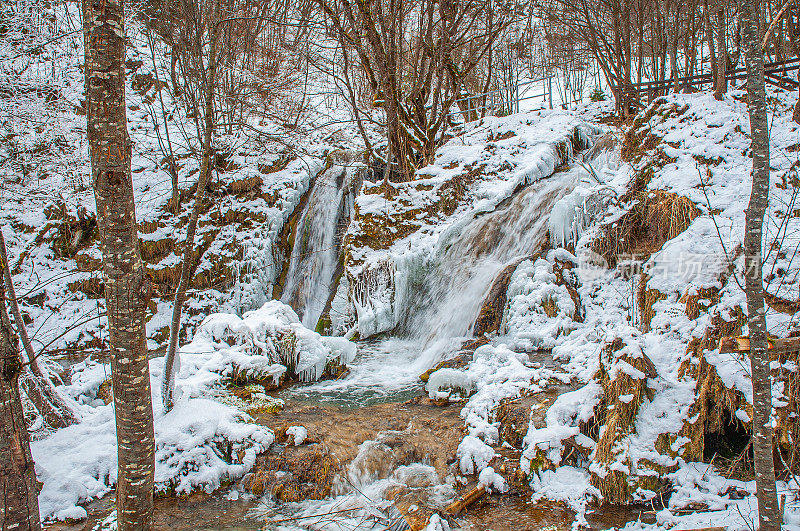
x=721 y=85
x=17 y=476
x=127 y=287
x=209 y=77
x=607 y=28
x=37 y=386
x=768 y=511
x=416 y=55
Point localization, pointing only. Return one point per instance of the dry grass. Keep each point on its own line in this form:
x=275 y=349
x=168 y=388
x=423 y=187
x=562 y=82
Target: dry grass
x=787 y=431
x=93 y=287
x=251 y=186
x=656 y=217
x=695 y=303
x=715 y=407
x=645 y=299
x=614 y=416
x=639 y=138
x=153 y=251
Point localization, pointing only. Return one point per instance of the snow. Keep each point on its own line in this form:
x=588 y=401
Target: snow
x=532 y=286
x=493 y=481
x=256 y=343
x=204 y=442
x=297 y=433
x=199 y=444
x=474 y=455
x=437 y=523
x=569 y=485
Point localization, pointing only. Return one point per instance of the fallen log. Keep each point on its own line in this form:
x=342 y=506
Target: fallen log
x=466 y=500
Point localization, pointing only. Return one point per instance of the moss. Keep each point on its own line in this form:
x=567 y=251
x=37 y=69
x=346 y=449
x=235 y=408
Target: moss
x=295 y=475
x=252 y=400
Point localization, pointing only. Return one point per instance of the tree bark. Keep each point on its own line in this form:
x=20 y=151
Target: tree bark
x=709 y=35
x=768 y=510
x=172 y=359
x=793 y=29
x=721 y=86
x=127 y=288
x=17 y=475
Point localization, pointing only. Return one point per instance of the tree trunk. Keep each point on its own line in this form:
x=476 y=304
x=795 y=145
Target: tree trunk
x=17 y=475
x=709 y=35
x=172 y=358
x=721 y=86
x=127 y=287
x=793 y=28
x=769 y=515
x=39 y=389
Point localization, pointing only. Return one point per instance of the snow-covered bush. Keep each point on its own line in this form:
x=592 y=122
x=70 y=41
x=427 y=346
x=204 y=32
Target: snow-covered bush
x=268 y=343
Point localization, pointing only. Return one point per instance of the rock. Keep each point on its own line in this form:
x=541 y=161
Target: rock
x=459 y=361
x=514 y=417
x=491 y=315
x=296 y=474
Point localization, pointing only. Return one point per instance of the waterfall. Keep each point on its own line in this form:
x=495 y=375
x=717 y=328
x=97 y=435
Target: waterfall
x=314 y=263
x=444 y=304
x=439 y=296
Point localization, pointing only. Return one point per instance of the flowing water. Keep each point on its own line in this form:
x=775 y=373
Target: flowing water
x=440 y=297
x=369 y=419
x=439 y=306
x=315 y=254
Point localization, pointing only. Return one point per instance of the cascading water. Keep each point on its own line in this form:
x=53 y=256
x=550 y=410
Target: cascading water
x=315 y=255
x=440 y=295
x=468 y=258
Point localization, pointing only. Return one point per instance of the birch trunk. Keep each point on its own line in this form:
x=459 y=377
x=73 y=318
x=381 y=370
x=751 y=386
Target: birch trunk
x=127 y=288
x=769 y=514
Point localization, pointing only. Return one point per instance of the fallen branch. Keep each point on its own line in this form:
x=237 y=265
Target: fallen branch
x=294 y=518
x=466 y=500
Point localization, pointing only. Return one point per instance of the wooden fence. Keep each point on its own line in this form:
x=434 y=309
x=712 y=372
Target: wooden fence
x=775 y=74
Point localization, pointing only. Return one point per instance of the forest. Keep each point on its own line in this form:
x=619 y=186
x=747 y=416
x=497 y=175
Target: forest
x=400 y=265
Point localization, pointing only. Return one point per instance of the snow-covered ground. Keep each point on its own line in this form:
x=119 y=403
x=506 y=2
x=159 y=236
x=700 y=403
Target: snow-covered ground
x=207 y=438
x=420 y=258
